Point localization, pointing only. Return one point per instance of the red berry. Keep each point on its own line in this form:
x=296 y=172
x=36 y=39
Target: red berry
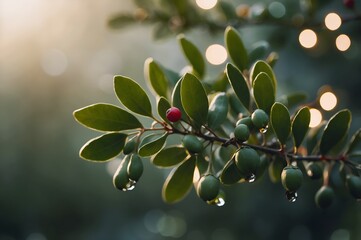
x=173 y=114
x=349 y=3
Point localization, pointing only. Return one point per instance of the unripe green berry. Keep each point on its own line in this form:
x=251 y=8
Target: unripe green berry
x=247 y=161
x=208 y=187
x=192 y=144
x=121 y=178
x=354 y=185
x=246 y=120
x=129 y=146
x=291 y=177
x=314 y=170
x=241 y=132
x=135 y=168
x=324 y=197
x=259 y=118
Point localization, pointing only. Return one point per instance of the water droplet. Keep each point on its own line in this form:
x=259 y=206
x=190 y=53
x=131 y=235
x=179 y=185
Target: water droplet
x=130 y=185
x=251 y=178
x=264 y=129
x=219 y=202
x=291 y=196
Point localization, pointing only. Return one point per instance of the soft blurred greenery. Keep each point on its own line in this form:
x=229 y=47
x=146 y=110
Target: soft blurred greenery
x=58 y=56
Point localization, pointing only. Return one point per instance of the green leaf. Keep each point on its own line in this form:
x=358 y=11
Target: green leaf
x=300 y=124
x=121 y=21
x=235 y=48
x=218 y=110
x=239 y=84
x=281 y=123
x=156 y=78
x=179 y=181
x=170 y=156
x=336 y=128
x=354 y=142
x=152 y=147
x=176 y=98
x=104 y=147
x=230 y=173
x=194 y=99
x=132 y=96
x=106 y=117
x=262 y=66
x=263 y=92
x=193 y=55
x=162 y=107
x=259 y=51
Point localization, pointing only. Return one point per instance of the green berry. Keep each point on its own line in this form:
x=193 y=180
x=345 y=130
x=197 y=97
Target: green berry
x=259 y=118
x=247 y=161
x=324 y=197
x=246 y=120
x=208 y=187
x=129 y=146
x=121 y=178
x=354 y=185
x=192 y=144
x=314 y=170
x=241 y=132
x=291 y=177
x=135 y=168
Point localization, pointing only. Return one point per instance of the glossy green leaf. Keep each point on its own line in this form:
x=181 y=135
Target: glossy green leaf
x=336 y=128
x=170 y=156
x=313 y=137
x=179 y=181
x=106 y=117
x=218 y=110
x=176 y=98
x=262 y=66
x=104 y=147
x=354 y=142
x=235 y=48
x=193 y=55
x=263 y=92
x=239 y=84
x=230 y=173
x=162 y=106
x=132 y=96
x=300 y=125
x=194 y=99
x=280 y=121
x=153 y=146
x=156 y=78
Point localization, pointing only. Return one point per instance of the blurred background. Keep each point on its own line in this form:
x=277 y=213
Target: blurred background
x=57 y=56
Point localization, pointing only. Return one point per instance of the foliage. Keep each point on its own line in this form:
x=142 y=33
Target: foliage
x=269 y=134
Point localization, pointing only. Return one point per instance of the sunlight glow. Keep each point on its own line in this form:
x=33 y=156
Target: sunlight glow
x=333 y=21
x=328 y=101
x=343 y=42
x=316 y=117
x=216 y=54
x=307 y=38
x=206 y=4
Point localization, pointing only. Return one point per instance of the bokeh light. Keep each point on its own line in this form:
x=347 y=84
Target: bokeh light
x=343 y=42
x=277 y=9
x=328 y=101
x=333 y=21
x=307 y=38
x=216 y=54
x=316 y=117
x=54 y=62
x=206 y=4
